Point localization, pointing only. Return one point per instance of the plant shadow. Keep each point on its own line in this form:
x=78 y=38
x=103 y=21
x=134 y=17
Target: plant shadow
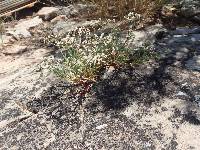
x=147 y=83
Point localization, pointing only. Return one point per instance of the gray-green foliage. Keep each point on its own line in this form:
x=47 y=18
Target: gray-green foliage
x=85 y=53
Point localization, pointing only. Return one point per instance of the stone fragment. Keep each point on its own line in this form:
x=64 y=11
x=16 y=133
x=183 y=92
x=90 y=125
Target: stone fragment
x=101 y=126
x=48 y=13
x=197 y=18
x=181 y=53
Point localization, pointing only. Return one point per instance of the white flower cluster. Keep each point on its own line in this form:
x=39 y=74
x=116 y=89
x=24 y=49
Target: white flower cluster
x=54 y=40
x=132 y=16
x=86 y=52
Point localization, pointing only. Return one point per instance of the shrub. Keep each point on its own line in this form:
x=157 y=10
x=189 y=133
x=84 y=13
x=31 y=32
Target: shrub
x=86 y=54
x=117 y=9
x=120 y=8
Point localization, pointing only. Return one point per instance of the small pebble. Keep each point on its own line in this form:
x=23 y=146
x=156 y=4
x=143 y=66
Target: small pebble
x=101 y=126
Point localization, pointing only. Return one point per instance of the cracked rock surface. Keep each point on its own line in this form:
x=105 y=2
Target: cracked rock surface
x=152 y=106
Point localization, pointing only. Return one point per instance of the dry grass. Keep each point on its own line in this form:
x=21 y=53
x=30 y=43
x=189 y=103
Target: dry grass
x=119 y=8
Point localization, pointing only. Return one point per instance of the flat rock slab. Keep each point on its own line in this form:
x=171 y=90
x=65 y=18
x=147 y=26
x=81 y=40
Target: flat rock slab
x=125 y=111
x=21 y=78
x=21 y=29
x=15 y=49
x=59 y=124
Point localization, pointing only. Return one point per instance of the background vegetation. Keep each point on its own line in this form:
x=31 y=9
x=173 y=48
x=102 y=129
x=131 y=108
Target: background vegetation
x=119 y=8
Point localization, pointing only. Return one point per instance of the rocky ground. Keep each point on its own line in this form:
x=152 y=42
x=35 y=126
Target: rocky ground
x=152 y=106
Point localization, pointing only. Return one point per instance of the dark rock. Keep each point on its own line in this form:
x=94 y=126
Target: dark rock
x=194 y=63
x=191 y=10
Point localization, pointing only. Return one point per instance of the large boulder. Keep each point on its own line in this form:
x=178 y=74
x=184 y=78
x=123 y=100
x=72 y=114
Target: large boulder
x=76 y=10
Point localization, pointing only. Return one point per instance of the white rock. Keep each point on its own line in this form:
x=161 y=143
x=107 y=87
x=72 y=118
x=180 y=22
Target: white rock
x=21 y=29
x=184 y=84
x=148 y=34
x=181 y=94
x=101 y=126
x=48 y=13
